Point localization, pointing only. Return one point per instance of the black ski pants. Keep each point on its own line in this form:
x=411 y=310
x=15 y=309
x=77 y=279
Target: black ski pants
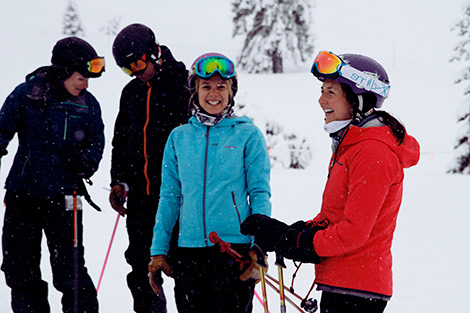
x=339 y=303
x=207 y=280
x=26 y=218
x=141 y=211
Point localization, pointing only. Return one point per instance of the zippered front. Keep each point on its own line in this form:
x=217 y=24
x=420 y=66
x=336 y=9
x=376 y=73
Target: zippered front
x=204 y=186
x=65 y=124
x=236 y=208
x=144 y=131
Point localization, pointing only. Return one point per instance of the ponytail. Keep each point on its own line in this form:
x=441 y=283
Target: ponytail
x=368 y=109
x=396 y=127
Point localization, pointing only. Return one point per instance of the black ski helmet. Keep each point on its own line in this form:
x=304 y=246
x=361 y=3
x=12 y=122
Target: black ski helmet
x=132 y=43
x=72 y=54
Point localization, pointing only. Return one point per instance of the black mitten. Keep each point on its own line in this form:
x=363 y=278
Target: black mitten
x=297 y=244
x=267 y=231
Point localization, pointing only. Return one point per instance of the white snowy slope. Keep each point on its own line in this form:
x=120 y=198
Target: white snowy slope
x=413 y=41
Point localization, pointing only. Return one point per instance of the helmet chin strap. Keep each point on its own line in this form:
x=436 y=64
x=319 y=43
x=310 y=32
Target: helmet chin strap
x=360 y=105
x=360 y=114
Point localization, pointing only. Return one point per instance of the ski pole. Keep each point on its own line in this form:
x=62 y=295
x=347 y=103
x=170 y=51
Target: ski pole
x=75 y=253
x=107 y=253
x=226 y=248
x=309 y=305
x=280 y=266
x=270 y=284
x=263 y=289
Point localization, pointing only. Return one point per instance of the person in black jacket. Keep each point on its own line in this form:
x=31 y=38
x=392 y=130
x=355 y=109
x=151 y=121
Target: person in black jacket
x=60 y=143
x=151 y=105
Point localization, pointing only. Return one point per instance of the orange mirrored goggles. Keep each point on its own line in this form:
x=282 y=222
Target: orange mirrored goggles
x=327 y=63
x=96 y=66
x=137 y=67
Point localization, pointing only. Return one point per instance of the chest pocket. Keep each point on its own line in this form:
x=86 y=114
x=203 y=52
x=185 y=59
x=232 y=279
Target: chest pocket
x=229 y=158
x=63 y=126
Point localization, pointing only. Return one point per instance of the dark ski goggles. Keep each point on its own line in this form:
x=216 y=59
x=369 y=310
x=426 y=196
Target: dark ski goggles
x=137 y=67
x=206 y=67
x=96 y=66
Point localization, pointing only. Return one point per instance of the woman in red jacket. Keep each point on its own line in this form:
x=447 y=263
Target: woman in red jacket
x=350 y=239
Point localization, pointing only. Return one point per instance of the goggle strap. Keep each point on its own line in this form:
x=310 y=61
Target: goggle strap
x=365 y=81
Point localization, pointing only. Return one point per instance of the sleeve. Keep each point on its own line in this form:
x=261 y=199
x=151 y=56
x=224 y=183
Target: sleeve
x=170 y=199
x=372 y=172
x=258 y=170
x=119 y=158
x=10 y=116
x=93 y=152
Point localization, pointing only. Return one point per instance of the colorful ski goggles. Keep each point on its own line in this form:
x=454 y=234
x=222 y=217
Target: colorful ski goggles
x=330 y=65
x=206 y=67
x=96 y=66
x=137 y=67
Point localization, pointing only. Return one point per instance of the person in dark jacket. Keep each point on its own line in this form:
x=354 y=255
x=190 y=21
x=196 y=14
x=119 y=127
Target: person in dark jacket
x=60 y=143
x=151 y=105
x=350 y=239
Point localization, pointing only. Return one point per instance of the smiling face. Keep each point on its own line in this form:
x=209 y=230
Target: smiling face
x=76 y=83
x=213 y=94
x=333 y=102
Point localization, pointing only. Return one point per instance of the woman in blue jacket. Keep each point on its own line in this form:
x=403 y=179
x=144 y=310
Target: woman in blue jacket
x=60 y=142
x=215 y=173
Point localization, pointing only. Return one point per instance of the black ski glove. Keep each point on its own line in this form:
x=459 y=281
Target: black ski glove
x=292 y=242
x=297 y=243
x=267 y=231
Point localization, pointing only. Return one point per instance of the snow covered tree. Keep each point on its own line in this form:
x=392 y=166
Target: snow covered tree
x=112 y=27
x=286 y=149
x=274 y=30
x=71 y=22
x=462 y=53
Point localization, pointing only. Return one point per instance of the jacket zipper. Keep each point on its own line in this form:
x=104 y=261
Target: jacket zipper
x=236 y=208
x=26 y=162
x=145 y=140
x=65 y=124
x=204 y=189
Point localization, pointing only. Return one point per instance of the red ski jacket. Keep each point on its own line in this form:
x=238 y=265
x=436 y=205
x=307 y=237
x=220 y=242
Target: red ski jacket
x=361 y=200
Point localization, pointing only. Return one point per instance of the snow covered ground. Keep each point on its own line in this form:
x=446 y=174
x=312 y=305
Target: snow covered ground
x=412 y=39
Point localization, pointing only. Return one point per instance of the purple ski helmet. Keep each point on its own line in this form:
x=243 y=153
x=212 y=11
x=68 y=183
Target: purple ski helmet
x=192 y=74
x=364 y=64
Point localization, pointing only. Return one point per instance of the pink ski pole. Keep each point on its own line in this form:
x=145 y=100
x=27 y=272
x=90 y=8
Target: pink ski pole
x=107 y=253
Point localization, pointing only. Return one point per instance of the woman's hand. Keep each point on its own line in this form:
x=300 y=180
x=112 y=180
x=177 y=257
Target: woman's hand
x=158 y=264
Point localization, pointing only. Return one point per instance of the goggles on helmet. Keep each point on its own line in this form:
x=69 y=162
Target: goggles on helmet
x=96 y=66
x=137 y=67
x=206 y=67
x=329 y=65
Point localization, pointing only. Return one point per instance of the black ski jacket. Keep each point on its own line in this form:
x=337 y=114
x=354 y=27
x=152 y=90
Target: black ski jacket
x=60 y=137
x=147 y=114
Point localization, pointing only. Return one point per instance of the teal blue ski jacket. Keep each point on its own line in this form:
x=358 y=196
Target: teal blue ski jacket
x=213 y=177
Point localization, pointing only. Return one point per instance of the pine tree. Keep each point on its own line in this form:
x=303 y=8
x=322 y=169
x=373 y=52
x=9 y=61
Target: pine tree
x=274 y=30
x=111 y=28
x=462 y=53
x=71 y=22
x=286 y=149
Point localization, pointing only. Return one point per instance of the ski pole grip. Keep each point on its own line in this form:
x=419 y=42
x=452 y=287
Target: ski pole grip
x=214 y=237
x=260 y=257
x=280 y=260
